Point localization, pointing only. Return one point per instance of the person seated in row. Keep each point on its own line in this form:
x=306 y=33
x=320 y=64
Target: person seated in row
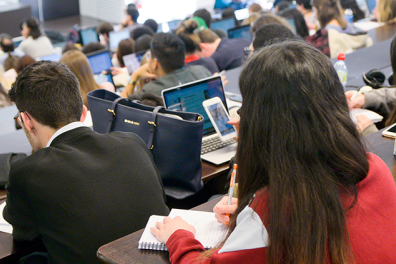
x=306 y=194
x=269 y=18
x=382 y=101
x=385 y=11
x=166 y=65
x=358 y=14
x=270 y=34
x=79 y=65
x=151 y=23
x=227 y=53
x=7 y=46
x=35 y=44
x=103 y=31
x=79 y=189
x=192 y=42
x=329 y=15
x=305 y=7
x=299 y=21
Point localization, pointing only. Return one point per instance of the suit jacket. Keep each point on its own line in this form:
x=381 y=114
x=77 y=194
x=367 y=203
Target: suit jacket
x=83 y=191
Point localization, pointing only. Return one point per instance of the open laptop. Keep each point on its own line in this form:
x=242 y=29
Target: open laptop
x=101 y=61
x=116 y=37
x=188 y=98
x=242 y=14
x=88 y=35
x=224 y=24
x=132 y=61
x=51 y=57
x=242 y=32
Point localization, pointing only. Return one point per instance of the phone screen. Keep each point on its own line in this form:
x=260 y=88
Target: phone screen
x=392 y=129
x=220 y=118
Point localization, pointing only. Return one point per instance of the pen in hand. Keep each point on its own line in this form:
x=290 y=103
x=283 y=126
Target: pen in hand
x=231 y=190
x=355 y=95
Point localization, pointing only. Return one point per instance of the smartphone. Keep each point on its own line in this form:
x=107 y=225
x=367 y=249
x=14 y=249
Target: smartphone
x=390 y=131
x=218 y=116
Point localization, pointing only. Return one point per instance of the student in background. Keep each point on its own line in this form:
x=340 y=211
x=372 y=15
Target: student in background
x=78 y=64
x=255 y=8
x=35 y=44
x=205 y=15
x=166 y=65
x=192 y=41
x=143 y=43
x=151 y=23
x=329 y=15
x=270 y=34
x=79 y=189
x=91 y=47
x=305 y=7
x=351 y=4
x=130 y=20
x=299 y=201
x=103 y=31
x=140 y=31
x=299 y=21
x=269 y=18
x=7 y=46
x=227 y=53
x=385 y=11
x=125 y=47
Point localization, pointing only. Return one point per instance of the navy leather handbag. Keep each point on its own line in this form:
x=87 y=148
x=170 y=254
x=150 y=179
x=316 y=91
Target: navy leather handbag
x=173 y=137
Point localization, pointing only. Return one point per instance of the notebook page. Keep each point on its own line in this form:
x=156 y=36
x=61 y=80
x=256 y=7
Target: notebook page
x=373 y=116
x=208 y=231
x=147 y=236
x=4 y=225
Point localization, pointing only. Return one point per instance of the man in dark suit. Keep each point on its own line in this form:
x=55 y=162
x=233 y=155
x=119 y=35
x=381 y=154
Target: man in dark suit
x=79 y=189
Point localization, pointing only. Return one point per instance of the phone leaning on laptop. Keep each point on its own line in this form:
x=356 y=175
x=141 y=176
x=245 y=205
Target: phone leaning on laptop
x=219 y=117
x=390 y=131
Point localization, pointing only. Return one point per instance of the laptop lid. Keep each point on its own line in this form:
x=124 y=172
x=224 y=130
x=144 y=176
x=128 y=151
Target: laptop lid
x=116 y=37
x=371 y=4
x=17 y=41
x=189 y=97
x=132 y=61
x=51 y=57
x=242 y=14
x=100 y=61
x=242 y=32
x=173 y=24
x=224 y=24
x=88 y=35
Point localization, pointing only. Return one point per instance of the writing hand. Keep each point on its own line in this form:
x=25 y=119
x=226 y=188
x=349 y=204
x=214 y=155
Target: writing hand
x=357 y=102
x=163 y=230
x=221 y=209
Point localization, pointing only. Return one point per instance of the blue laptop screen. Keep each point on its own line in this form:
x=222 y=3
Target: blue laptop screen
x=116 y=37
x=225 y=24
x=100 y=62
x=240 y=32
x=189 y=98
x=88 y=35
x=371 y=4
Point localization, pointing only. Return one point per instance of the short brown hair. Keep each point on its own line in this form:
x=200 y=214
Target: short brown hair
x=207 y=36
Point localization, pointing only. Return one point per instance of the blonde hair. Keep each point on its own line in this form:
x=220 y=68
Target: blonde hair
x=251 y=19
x=78 y=64
x=386 y=10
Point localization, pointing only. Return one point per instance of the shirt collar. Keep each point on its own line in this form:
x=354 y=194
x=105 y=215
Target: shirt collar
x=64 y=129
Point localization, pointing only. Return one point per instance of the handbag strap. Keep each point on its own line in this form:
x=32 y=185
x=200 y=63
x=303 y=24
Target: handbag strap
x=112 y=114
x=153 y=126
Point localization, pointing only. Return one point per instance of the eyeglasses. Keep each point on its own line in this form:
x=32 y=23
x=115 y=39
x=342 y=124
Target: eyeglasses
x=18 y=119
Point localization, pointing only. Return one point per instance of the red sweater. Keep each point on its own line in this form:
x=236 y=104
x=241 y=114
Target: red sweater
x=371 y=226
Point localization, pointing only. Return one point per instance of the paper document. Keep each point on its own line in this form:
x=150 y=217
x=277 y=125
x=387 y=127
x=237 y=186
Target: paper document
x=4 y=225
x=208 y=231
x=373 y=116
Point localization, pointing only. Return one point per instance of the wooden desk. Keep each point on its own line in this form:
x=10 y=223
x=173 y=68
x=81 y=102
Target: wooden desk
x=382 y=33
x=124 y=250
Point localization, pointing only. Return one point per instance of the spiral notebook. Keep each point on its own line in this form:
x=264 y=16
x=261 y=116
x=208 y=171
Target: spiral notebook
x=209 y=231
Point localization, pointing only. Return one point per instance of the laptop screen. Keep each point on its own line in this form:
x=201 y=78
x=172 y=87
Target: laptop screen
x=371 y=4
x=88 y=35
x=189 y=97
x=51 y=57
x=224 y=24
x=116 y=37
x=242 y=14
x=173 y=24
x=240 y=32
x=132 y=61
x=100 y=61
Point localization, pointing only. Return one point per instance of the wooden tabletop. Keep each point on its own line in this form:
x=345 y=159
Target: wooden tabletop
x=124 y=250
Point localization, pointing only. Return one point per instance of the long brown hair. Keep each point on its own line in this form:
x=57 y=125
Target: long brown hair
x=78 y=64
x=329 y=10
x=298 y=144
x=386 y=10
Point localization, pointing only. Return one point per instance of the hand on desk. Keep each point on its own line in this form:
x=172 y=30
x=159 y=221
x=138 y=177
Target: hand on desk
x=235 y=123
x=362 y=121
x=163 y=230
x=222 y=208
x=357 y=102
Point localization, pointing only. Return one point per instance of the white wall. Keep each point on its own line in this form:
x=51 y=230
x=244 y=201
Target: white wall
x=108 y=10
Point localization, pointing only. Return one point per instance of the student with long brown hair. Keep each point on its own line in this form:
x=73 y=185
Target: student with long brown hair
x=329 y=15
x=308 y=190
x=78 y=64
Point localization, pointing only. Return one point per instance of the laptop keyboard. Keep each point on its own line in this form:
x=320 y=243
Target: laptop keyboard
x=214 y=143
